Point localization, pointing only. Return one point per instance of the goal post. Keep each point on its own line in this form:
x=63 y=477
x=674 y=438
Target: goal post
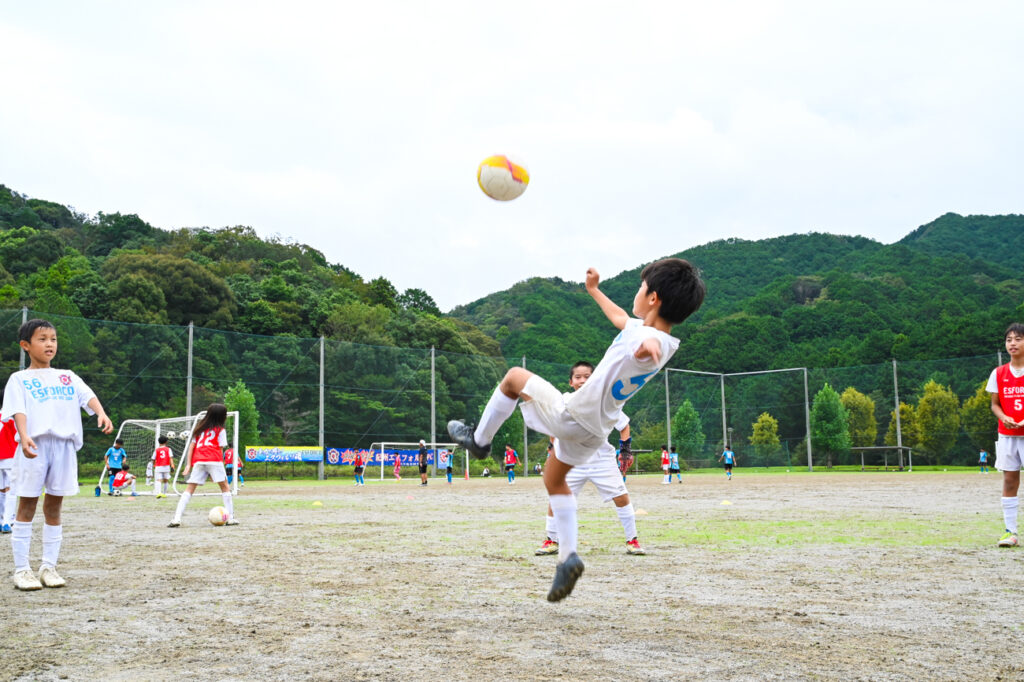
x=385 y=452
x=141 y=437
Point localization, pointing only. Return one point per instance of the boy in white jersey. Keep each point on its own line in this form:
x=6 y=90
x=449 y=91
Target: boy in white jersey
x=601 y=470
x=670 y=291
x=45 y=404
x=1006 y=384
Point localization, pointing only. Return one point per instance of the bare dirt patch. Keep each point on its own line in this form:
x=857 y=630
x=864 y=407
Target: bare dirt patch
x=855 y=576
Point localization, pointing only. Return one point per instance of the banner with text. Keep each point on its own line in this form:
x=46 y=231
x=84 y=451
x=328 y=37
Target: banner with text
x=283 y=453
x=409 y=458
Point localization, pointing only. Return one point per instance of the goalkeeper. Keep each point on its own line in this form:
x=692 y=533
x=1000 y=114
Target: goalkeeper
x=601 y=470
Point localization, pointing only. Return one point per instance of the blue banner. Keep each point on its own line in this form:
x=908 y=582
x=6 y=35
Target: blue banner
x=347 y=457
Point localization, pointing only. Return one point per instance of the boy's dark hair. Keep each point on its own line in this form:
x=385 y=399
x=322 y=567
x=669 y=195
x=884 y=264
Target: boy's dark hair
x=125 y=467
x=673 y=448
x=678 y=285
x=29 y=327
x=161 y=440
x=118 y=441
x=216 y=415
x=1015 y=328
x=580 y=363
x=664 y=447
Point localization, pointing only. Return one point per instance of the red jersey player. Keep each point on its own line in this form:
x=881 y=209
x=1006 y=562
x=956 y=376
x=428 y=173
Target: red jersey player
x=1006 y=384
x=163 y=462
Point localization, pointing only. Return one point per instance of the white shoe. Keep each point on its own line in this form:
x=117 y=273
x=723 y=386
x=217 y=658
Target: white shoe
x=25 y=580
x=49 y=577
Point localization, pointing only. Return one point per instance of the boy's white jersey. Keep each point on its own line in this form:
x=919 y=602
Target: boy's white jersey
x=597 y=405
x=51 y=400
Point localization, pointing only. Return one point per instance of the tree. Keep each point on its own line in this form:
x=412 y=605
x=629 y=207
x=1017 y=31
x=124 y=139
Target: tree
x=977 y=419
x=907 y=424
x=860 y=415
x=828 y=424
x=938 y=419
x=239 y=398
x=686 y=428
x=381 y=291
x=419 y=301
x=765 y=437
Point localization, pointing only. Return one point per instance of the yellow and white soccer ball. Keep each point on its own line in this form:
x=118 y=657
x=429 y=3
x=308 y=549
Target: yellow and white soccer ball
x=502 y=178
x=218 y=516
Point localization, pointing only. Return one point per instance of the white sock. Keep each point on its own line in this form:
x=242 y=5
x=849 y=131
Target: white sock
x=182 y=503
x=564 y=509
x=229 y=504
x=3 y=506
x=52 y=536
x=9 y=506
x=133 y=487
x=550 y=528
x=627 y=517
x=499 y=408
x=1010 y=506
x=21 y=537
x=163 y=487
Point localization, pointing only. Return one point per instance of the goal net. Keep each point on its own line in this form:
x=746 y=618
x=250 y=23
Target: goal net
x=385 y=453
x=141 y=437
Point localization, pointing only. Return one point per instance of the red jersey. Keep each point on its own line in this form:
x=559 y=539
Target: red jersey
x=1011 y=398
x=510 y=457
x=664 y=458
x=121 y=478
x=229 y=457
x=208 y=445
x=358 y=460
x=7 y=443
x=162 y=456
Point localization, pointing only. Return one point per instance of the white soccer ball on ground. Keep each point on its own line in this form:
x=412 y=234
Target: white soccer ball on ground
x=218 y=516
x=502 y=178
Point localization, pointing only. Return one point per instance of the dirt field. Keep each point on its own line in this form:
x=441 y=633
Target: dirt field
x=846 y=576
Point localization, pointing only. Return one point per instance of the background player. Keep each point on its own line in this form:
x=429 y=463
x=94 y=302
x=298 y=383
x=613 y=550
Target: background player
x=983 y=461
x=115 y=459
x=8 y=446
x=673 y=464
x=729 y=458
x=665 y=462
x=124 y=479
x=358 y=466
x=511 y=459
x=421 y=460
x=163 y=462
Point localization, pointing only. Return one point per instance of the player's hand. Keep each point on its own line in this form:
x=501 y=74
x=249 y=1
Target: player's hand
x=29 y=448
x=184 y=472
x=104 y=423
x=650 y=348
x=593 y=278
x=1009 y=423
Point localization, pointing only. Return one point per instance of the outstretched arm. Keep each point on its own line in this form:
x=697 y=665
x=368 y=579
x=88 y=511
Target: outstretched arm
x=614 y=313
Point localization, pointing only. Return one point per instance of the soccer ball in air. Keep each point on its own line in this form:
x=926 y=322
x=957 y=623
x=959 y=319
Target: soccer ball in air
x=502 y=178
x=218 y=516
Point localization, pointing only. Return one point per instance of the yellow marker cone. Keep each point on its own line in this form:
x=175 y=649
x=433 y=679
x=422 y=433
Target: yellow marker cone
x=641 y=512
x=318 y=503
x=726 y=502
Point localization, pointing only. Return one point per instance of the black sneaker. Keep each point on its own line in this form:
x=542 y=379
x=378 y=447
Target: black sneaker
x=462 y=434
x=566 y=575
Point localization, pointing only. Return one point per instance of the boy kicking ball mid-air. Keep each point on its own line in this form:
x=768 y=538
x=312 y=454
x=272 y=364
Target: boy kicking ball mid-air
x=603 y=471
x=670 y=291
x=46 y=404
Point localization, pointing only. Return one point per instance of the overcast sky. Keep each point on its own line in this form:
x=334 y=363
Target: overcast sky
x=647 y=127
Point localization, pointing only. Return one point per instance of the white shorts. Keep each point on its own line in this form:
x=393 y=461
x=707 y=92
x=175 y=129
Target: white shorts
x=664 y=467
x=1009 y=452
x=55 y=469
x=203 y=470
x=5 y=479
x=163 y=473
x=545 y=412
x=602 y=471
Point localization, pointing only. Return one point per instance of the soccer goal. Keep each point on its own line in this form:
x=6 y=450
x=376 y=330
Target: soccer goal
x=386 y=452
x=141 y=437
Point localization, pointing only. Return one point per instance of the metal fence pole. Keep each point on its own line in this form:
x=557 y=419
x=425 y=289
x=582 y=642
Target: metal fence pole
x=320 y=466
x=725 y=430
x=188 y=383
x=668 y=415
x=433 y=414
x=899 y=430
x=25 y=318
x=526 y=444
x=807 y=417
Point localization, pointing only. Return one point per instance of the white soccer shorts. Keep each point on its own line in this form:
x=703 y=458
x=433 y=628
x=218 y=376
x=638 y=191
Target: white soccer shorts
x=5 y=480
x=1009 y=452
x=203 y=470
x=55 y=469
x=602 y=471
x=545 y=412
x=162 y=473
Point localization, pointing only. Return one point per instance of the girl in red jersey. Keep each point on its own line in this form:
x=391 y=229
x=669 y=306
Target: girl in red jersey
x=398 y=467
x=358 y=465
x=204 y=457
x=1006 y=384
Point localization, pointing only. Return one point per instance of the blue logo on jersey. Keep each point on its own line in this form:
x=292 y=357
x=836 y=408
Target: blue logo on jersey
x=637 y=381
